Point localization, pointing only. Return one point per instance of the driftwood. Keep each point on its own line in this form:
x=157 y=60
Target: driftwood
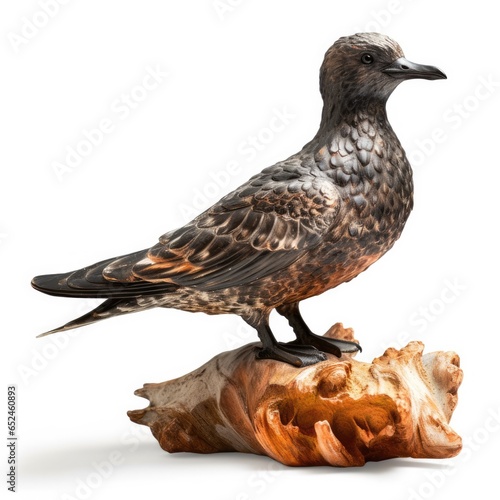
x=339 y=412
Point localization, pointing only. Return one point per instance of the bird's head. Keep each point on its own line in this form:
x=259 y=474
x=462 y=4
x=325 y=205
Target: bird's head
x=367 y=66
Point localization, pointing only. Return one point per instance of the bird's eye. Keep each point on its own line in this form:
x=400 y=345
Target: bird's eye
x=367 y=58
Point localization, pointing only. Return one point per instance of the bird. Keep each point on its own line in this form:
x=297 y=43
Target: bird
x=296 y=229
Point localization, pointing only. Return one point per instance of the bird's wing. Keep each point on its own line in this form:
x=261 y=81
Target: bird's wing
x=259 y=229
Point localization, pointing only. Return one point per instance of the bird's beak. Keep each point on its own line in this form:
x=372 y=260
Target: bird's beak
x=404 y=70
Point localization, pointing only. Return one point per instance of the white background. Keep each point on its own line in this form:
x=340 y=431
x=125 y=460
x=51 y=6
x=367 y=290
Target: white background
x=228 y=72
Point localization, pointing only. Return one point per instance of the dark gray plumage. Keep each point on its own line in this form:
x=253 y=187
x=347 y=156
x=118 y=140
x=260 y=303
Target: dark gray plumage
x=296 y=229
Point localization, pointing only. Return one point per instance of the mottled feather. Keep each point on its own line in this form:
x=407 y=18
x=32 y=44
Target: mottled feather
x=292 y=231
x=255 y=231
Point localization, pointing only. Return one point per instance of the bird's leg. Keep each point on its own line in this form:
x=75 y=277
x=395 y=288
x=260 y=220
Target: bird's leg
x=297 y=355
x=306 y=337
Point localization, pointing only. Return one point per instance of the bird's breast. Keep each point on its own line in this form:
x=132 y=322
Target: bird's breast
x=369 y=167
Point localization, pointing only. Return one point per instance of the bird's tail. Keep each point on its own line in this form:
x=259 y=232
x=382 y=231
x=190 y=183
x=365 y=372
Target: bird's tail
x=109 y=308
x=89 y=282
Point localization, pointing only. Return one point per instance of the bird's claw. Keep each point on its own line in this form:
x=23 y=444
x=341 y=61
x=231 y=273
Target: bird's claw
x=297 y=355
x=332 y=346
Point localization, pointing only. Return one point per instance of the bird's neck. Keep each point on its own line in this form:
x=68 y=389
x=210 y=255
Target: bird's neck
x=350 y=112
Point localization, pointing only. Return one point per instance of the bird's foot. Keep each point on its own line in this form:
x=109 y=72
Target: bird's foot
x=325 y=344
x=297 y=355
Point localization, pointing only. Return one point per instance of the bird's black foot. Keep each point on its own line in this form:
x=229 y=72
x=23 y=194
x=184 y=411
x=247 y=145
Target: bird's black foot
x=325 y=344
x=306 y=337
x=297 y=355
